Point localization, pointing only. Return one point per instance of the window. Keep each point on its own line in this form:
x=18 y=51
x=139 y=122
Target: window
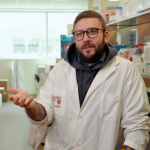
x=24 y=35
x=21 y=34
x=57 y=26
x=19 y=46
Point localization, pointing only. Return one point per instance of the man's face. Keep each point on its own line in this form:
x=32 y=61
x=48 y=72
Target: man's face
x=90 y=50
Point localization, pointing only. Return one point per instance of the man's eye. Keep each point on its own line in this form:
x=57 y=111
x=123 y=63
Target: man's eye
x=78 y=33
x=92 y=31
x=89 y=30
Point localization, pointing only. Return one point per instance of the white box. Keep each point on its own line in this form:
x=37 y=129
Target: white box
x=103 y=13
x=147 y=60
x=132 y=9
x=2 y=90
x=139 y=5
x=147 y=67
x=0 y=99
x=146 y=53
x=126 y=6
x=147 y=4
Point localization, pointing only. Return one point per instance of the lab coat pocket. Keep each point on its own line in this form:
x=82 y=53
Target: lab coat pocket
x=59 y=102
x=110 y=107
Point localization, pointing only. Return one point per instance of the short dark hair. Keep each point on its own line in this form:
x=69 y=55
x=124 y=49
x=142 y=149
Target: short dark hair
x=90 y=14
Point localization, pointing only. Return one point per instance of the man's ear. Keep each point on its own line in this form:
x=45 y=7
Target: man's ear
x=106 y=36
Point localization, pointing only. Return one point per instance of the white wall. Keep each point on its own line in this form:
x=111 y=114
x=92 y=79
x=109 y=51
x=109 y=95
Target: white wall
x=30 y=67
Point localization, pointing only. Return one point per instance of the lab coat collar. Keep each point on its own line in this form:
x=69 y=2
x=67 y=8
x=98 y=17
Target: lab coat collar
x=72 y=79
x=101 y=76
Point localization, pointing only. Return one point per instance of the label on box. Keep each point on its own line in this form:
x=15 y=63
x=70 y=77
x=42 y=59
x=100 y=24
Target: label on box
x=147 y=67
x=146 y=52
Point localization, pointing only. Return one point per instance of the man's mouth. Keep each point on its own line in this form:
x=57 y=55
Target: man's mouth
x=87 y=47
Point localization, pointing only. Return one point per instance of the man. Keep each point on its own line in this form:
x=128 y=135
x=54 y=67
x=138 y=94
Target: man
x=91 y=95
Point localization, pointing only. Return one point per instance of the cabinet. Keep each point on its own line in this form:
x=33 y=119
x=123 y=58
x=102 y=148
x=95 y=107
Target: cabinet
x=120 y=31
x=131 y=30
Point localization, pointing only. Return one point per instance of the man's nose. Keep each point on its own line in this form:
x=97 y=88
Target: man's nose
x=86 y=38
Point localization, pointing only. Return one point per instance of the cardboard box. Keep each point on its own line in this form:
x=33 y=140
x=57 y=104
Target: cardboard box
x=2 y=90
x=4 y=83
x=5 y=97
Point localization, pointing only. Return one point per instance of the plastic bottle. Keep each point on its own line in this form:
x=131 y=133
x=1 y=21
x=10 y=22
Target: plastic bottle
x=139 y=64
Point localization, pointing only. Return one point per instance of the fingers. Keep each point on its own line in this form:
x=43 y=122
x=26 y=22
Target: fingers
x=12 y=91
x=28 y=102
x=11 y=97
x=21 y=102
x=16 y=100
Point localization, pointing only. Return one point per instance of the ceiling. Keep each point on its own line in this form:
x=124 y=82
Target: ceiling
x=50 y=4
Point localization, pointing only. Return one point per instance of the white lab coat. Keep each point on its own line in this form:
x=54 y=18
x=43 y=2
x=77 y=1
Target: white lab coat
x=36 y=136
x=20 y=77
x=17 y=76
x=116 y=99
x=13 y=76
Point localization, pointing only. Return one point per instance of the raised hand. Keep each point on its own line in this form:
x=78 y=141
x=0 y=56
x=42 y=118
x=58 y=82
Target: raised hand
x=21 y=98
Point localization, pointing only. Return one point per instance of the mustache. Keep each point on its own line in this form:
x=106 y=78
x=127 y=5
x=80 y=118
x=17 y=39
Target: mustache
x=87 y=45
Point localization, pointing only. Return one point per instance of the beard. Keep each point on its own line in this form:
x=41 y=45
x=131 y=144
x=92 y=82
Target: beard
x=93 y=58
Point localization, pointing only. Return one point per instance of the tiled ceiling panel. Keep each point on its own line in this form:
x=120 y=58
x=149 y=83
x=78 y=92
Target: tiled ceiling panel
x=67 y=4
x=57 y=4
x=40 y=3
x=23 y=3
x=82 y=4
x=52 y=4
x=8 y=4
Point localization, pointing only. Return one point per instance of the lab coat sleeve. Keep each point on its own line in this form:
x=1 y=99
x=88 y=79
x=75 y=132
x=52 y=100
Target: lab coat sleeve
x=135 y=109
x=45 y=98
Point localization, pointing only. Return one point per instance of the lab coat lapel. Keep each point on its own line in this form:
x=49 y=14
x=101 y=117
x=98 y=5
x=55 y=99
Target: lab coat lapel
x=72 y=79
x=102 y=75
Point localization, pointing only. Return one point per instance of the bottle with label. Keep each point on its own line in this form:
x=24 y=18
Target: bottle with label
x=138 y=62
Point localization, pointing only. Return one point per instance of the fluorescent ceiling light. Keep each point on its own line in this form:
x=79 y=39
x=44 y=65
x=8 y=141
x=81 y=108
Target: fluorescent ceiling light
x=113 y=0
x=60 y=0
